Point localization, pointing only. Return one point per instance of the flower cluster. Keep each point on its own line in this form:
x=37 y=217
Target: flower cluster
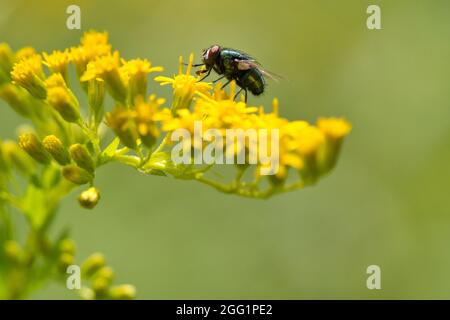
x=66 y=144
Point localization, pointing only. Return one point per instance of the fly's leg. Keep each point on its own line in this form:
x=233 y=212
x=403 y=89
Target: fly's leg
x=218 y=79
x=194 y=65
x=237 y=94
x=207 y=71
x=227 y=83
x=245 y=95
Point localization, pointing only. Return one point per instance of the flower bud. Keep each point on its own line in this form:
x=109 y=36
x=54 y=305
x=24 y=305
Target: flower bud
x=96 y=95
x=82 y=157
x=100 y=286
x=31 y=144
x=92 y=264
x=55 y=147
x=121 y=121
x=6 y=62
x=89 y=199
x=65 y=260
x=18 y=158
x=17 y=99
x=77 y=175
x=106 y=273
x=65 y=103
x=87 y=293
x=309 y=142
x=102 y=281
x=67 y=246
x=123 y=292
x=13 y=252
x=334 y=130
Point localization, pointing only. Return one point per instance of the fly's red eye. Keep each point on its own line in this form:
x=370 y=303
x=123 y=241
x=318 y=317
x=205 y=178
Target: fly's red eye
x=214 y=50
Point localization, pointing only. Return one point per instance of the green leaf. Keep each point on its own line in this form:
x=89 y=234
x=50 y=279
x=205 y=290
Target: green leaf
x=111 y=148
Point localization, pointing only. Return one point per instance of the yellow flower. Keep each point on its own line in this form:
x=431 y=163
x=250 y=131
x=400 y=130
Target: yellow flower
x=57 y=61
x=144 y=114
x=135 y=72
x=224 y=113
x=121 y=121
x=101 y=66
x=334 y=127
x=184 y=85
x=308 y=140
x=93 y=44
x=184 y=119
x=335 y=130
x=139 y=66
x=65 y=103
x=55 y=80
x=24 y=53
x=33 y=146
x=28 y=74
x=106 y=68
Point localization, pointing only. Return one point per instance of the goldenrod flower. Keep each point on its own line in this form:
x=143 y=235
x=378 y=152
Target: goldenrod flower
x=57 y=61
x=334 y=130
x=93 y=38
x=121 y=121
x=224 y=113
x=106 y=68
x=308 y=140
x=55 y=80
x=65 y=103
x=28 y=73
x=24 y=53
x=135 y=74
x=145 y=113
x=93 y=44
x=184 y=85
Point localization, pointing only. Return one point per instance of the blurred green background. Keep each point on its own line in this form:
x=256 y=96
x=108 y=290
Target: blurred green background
x=387 y=202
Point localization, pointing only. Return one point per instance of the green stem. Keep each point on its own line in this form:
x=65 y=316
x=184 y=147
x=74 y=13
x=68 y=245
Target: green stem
x=92 y=135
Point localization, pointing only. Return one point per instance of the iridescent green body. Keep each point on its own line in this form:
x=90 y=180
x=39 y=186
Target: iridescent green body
x=251 y=79
x=234 y=65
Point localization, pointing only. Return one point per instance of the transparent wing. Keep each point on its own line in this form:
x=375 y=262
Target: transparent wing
x=248 y=64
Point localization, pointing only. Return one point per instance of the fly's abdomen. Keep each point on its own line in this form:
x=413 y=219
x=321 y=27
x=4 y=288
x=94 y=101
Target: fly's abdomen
x=253 y=80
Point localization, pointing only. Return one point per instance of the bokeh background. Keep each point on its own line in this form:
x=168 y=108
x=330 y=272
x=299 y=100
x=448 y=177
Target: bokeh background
x=387 y=202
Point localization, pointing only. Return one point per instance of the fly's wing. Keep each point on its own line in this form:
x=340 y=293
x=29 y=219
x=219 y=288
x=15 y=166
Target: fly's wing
x=244 y=64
